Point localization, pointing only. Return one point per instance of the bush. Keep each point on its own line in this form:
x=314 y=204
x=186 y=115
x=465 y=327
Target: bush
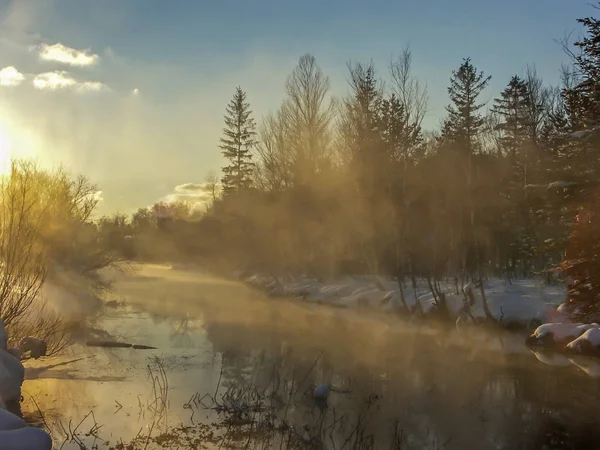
x=45 y=226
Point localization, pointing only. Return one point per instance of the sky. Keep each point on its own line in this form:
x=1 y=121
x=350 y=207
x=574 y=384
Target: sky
x=131 y=93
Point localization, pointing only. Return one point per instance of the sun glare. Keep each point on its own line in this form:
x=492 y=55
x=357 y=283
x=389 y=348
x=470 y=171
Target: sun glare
x=5 y=152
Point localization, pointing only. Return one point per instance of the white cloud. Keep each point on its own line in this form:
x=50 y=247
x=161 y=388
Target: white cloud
x=67 y=55
x=53 y=80
x=9 y=76
x=197 y=195
x=194 y=187
x=61 y=80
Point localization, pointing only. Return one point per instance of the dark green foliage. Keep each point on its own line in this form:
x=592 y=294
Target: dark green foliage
x=237 y=143
x=465 y=121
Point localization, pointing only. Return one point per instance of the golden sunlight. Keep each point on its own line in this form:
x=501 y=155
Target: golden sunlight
x=5 y=151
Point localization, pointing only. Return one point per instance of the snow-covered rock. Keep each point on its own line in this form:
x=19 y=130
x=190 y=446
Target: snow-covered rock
x=12 y=374
x=587 y=343
x=558 y=335
x=15 y=434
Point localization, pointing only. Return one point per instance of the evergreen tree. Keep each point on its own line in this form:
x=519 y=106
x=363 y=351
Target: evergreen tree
x=237 y=143
x=584 y=99
x=582 y=258
x=464 y=122
x=512 y=106
x=361 y=129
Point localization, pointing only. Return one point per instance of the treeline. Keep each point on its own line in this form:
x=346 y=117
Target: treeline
x=327 y=186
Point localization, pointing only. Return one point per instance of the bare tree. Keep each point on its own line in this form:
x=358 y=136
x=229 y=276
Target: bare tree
x=45 y=229
x=213 y=187
x=274 y=155
x=22 y=254
x=538 y=102
x=308 y=112
x=411 y=91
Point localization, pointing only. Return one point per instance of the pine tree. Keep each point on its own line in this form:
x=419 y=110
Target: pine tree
x=464 y=122
x=584 y=99
x=362 y=127
x=512 y=106
x=582 y=258
x=237 y=143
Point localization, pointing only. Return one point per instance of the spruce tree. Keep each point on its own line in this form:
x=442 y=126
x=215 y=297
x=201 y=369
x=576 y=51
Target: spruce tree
x=362 y=128
x=237 y=144
x=512 y=106
x=582 y=257
x=464 y=122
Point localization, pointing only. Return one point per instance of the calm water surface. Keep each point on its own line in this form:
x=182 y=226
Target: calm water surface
x=221 y=345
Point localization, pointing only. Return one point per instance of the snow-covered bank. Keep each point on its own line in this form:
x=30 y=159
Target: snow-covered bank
x=15 y=433
x=574 y=338
x=521 y=303
x=530 y=304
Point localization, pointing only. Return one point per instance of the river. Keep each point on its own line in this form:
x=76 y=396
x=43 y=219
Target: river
x=234 y=369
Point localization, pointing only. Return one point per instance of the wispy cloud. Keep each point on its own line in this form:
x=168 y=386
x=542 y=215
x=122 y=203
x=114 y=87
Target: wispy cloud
x=67 y=55
x=197 y=195
x=190 y=187
x=61 y=80
x=10 y=76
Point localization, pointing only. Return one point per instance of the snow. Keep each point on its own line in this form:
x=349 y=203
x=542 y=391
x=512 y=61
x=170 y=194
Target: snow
x=12 y=375
x=586 y=342
x=561 y=333
x=517 y=303
x=15 y=433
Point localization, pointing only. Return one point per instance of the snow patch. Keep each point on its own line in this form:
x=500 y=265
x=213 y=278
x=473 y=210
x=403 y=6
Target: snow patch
x=518 y=303
x=587 y=342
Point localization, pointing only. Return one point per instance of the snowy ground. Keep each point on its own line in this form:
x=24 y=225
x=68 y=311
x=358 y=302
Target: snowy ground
x=518 y=303
x=521 y=304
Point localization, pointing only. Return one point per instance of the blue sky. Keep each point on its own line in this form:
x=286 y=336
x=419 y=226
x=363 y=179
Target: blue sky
x=185 y=58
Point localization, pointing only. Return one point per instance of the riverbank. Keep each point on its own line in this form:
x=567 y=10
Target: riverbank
x=520 y=303
x=216 y=337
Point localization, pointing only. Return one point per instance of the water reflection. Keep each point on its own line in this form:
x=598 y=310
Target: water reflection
x=392 y=385
x=441 y=395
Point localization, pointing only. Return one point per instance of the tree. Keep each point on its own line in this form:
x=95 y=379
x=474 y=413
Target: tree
x=211 y=183
x=538 y=103
x=274 y=166
x=361 y=127
x=464 y=122
x=305 y=118
x=411 y=93
x=581 y=263
x=237 y=144
x=512 y=106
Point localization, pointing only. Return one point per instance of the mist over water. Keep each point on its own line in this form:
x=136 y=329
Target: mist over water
x=438 y=387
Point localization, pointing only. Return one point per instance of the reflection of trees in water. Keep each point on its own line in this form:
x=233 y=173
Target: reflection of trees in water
x=184 y=330
x=435 y=391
